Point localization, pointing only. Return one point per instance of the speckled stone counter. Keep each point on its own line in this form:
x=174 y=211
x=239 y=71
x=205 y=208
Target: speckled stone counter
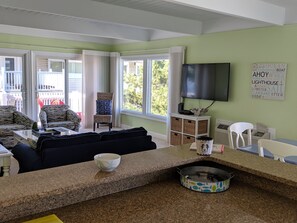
x=167 y=201
x=49 y=189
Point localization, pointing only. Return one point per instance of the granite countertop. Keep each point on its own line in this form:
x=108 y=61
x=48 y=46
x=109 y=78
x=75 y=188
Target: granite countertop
x=53 y=188
x=168 y=201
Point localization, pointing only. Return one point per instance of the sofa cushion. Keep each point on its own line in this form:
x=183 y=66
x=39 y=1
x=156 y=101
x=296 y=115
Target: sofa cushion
x=127 y=133
x=56 y=115
x=52 y=141
x=103 y=107
x=65 y=124
x=7 y=129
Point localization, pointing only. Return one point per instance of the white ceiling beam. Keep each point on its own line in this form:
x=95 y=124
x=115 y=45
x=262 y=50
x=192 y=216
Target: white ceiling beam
x=248 y=9
x=98 y=11
x=42 y=21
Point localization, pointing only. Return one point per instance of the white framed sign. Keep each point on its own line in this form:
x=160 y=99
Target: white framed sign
x=268 y=81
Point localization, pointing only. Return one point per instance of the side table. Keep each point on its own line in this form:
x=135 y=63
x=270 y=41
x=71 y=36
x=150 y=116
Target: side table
x=5 y=160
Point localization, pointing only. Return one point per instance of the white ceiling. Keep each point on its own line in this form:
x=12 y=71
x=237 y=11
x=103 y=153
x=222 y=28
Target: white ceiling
x=113 y=21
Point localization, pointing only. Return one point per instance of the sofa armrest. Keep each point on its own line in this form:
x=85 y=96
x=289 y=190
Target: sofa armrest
x=72 y=116
x=43 y=118
x=28 y=158
x=23 y=119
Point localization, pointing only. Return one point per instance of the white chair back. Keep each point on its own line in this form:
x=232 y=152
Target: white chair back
x=239 y=128
x=279 y=150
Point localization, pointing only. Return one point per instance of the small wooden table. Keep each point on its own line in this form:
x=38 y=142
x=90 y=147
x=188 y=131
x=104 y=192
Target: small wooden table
x=5 y=160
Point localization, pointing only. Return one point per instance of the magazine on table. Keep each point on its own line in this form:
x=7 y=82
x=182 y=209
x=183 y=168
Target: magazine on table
x=49 y=131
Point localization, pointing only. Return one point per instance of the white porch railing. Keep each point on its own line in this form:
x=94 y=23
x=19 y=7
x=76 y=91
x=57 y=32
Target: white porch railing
x=50 y=88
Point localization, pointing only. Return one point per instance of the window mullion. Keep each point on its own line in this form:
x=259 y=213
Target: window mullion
x=149 y=85
x=145 y=87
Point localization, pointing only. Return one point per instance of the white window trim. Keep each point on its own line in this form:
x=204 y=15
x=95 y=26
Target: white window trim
x=146 y=98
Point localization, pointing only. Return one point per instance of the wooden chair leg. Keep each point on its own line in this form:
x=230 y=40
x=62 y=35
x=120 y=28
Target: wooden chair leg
x=110 y=126
x=94 y=126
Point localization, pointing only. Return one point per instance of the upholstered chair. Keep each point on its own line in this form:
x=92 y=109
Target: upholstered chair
x=12 y=120
x=59 y=116
x=103 y=110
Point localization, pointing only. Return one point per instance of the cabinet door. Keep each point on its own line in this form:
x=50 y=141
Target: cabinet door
x=176 y=124
x=189 y=127
x=175 y=138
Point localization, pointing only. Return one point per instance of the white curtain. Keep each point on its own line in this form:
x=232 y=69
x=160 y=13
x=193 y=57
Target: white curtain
x=96 y=78
x=176 y=56
x=114 y=87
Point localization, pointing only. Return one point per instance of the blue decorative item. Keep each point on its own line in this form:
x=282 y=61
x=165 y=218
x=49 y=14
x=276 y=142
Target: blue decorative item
x=103 y=107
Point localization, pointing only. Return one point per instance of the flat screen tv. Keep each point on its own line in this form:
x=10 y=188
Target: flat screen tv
x=206 y=81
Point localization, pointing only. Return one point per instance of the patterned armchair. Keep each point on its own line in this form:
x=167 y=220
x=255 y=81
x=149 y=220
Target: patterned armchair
x=12 y=120
x=59 y=116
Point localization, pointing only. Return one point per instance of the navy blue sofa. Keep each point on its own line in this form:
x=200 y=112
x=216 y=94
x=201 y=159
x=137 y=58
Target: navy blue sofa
x=53 y=151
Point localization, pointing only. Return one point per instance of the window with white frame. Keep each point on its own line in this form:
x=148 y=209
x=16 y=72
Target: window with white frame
x=144 y=89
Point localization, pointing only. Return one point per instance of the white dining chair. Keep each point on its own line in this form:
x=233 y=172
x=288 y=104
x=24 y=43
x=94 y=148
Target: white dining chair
x=279 y=150
x=239 y=128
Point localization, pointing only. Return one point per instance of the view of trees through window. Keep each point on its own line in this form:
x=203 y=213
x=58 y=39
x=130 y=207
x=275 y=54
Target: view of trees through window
x=145 y=86
x=133 y=85
x=159 y=87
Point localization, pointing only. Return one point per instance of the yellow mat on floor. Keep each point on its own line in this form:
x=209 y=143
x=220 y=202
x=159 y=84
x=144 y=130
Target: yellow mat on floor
x=47 y=219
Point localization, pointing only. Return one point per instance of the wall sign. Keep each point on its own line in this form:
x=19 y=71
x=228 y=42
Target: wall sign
x=268 y=81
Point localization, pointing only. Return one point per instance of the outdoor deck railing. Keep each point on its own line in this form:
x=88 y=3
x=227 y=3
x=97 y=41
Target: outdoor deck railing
x=49 y=88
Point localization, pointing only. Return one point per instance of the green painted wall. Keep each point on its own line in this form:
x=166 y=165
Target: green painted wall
x=241 y=49
x=48 y=44
x=151 y=125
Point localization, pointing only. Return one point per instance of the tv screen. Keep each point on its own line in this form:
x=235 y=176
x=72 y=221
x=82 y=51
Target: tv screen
x=206 y=81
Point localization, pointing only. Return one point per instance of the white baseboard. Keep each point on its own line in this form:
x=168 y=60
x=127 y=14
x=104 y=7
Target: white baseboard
x=153 y=134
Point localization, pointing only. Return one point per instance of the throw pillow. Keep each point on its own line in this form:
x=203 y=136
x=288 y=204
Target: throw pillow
x=103 y=107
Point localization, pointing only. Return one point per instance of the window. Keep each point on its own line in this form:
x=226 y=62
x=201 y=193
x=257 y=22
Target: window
x=133 y=85
x=159 y=87
x=145 y=85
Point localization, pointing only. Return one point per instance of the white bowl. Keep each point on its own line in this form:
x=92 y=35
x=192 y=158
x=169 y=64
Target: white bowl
x=107 y=161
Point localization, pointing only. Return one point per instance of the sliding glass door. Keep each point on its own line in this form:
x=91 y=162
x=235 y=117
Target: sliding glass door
x=50 y=81
x=12 y=80
x=58 y=81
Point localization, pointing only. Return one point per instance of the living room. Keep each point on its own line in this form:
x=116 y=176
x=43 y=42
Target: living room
x=255 y=41
x=271 y=44
x=242 y=48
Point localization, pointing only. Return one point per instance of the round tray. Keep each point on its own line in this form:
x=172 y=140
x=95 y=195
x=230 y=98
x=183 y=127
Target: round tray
x=205 y=179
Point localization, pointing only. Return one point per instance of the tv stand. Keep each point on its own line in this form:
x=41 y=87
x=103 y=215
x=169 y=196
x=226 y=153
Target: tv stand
x=185 y=128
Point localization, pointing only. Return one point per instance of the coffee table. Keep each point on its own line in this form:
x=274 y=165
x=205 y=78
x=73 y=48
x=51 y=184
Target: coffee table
x=5 y=160
x=28 y=137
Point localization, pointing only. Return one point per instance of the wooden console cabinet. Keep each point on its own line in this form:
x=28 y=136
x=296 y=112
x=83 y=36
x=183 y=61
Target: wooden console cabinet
x=185 y=128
